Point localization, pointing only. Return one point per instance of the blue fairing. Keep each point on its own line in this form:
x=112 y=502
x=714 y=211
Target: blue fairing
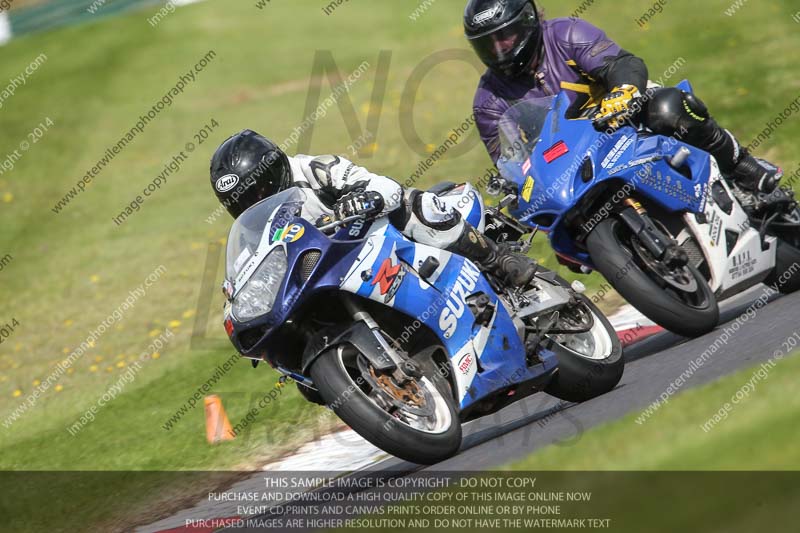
x=626 y=156
x=293 y=291
x=502 y=360
x=685 y=85
x=475 y=216
x=498 y=356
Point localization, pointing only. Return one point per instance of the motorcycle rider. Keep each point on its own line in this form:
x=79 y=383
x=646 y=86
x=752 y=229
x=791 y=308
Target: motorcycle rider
x=337 y=188
x=529 y=57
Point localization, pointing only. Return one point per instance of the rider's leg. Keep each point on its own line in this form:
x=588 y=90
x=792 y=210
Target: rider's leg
x=425 y=219
x=671 y=111
x=516 y=269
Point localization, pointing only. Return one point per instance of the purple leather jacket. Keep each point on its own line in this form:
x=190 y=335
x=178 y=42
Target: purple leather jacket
x=578 y=57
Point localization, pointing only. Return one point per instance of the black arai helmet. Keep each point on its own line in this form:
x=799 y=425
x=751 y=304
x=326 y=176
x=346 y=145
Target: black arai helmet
x=247 y=168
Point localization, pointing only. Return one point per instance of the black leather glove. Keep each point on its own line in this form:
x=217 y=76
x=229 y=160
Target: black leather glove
x=366 y=203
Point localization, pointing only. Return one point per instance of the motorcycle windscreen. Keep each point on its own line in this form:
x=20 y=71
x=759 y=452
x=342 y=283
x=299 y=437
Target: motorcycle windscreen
x=259 y=222
x=521 y=126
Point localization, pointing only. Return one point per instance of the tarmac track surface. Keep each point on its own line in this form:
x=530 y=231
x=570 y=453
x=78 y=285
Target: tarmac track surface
x=651 y=366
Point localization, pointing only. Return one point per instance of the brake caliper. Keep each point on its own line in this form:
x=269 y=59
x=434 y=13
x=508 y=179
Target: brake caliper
x=409 y=394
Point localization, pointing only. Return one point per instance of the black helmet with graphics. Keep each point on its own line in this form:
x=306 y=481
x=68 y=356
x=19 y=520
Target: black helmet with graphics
x=247 y=168
x=506 y=34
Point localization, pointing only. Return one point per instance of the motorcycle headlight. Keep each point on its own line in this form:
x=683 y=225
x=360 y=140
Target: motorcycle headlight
x=258 y=295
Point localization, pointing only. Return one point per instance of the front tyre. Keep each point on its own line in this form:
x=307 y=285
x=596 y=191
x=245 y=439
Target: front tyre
x=589 y=364
x=680 y=300
x=416 y=421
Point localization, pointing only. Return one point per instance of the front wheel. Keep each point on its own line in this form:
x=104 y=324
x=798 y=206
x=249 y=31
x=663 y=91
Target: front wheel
x=415 y=420
x=678 y=299
x=589 y=363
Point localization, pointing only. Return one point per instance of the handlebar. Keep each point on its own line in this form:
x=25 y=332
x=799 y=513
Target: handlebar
x=608 y=118
x=634 y=107
x=328 y=228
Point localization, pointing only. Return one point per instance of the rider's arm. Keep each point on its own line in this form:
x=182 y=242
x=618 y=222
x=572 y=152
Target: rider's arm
x=336 y=176
x=488 y=109
x=602 y=58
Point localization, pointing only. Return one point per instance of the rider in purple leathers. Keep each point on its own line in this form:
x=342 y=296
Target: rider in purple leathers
x=528 y=57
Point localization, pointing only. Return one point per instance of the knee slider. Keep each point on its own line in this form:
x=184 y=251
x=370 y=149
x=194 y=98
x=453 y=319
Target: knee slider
x=428 y=209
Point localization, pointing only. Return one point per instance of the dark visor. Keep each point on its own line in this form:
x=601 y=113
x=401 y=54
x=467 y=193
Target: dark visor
x=500 y=46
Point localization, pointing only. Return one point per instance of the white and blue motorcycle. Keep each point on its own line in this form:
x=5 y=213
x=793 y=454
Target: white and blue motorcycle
x=405 y=341
x=653 y=214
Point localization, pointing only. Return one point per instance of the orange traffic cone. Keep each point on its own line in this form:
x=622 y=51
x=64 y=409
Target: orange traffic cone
x=218 y=427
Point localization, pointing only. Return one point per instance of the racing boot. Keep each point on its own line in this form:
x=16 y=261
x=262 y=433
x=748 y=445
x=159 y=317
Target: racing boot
x=748 y=172
x=756 y=174
x=515 y=269
x=684 y=116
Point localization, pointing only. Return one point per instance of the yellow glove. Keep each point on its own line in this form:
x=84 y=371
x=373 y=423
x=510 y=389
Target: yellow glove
x=615 y=108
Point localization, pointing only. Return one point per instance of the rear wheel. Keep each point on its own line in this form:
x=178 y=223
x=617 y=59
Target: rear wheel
x=415 y=420
x=589 y=364
x=786 y=276
x=678 y=299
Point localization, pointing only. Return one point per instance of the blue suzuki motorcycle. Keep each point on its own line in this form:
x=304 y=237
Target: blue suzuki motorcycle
x=652 y=214
x=404 y=341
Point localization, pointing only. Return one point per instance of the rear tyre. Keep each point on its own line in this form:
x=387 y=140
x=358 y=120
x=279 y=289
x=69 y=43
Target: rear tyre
x=349 y=385
x=690 y=311
x=589 y=364
x=786 y=275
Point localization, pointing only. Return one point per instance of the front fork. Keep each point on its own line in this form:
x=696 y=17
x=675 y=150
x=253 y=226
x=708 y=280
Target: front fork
x=384 y=355
x=659 y=244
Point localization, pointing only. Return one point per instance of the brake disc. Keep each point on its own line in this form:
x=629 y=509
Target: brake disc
x=410 y=394
x=681 y=279
x=408 y=397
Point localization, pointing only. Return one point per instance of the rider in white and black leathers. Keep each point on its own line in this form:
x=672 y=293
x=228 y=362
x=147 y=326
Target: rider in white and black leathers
x=247 y=168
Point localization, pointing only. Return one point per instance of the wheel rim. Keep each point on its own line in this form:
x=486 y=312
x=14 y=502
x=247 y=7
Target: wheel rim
x=595 y=344
x=680 y=279
x=680 y=283
x=417 y=404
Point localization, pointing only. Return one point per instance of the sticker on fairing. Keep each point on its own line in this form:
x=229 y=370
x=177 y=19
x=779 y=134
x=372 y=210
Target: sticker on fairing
x=616 y=153
x=457 y=299
x=527 y=189
x=466 y=362
x=289 y=233
x=389 y=278
x=242 y=259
